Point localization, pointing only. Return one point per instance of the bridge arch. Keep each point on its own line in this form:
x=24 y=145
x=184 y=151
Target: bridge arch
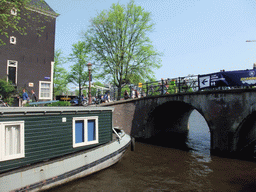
x=170 y=120
x=171 y=116
x=245 y=137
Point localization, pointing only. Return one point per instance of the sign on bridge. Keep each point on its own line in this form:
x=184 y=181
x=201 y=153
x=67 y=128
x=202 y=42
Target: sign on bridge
x=227 y=78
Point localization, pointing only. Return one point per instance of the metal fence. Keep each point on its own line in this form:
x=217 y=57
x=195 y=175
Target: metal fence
x=166 y=86
x=155 y=88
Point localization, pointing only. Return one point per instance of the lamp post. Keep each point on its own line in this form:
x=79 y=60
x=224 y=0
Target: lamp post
x=89 y=65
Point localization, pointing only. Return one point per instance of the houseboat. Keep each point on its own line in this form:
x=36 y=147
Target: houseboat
x=42 y=147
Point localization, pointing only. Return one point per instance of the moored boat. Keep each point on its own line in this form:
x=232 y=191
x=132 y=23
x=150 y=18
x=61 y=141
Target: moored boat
x=42 y=147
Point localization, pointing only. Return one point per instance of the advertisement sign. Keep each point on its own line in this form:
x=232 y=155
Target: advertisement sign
x=227 y=78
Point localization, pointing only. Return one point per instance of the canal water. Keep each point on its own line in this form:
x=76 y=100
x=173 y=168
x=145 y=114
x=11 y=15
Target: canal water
x=164 y=168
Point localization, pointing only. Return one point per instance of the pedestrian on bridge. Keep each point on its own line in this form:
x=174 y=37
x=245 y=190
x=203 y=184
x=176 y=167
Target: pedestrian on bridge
x=126 y=95
x=162 y=87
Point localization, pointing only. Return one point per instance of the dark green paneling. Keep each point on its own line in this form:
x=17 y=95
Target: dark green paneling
x=47 y=137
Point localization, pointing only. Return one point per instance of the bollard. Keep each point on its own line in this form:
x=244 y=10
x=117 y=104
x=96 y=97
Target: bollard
x=132 y=144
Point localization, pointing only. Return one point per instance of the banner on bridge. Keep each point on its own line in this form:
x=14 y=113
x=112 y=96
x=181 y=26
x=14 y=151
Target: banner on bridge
x=227 y=78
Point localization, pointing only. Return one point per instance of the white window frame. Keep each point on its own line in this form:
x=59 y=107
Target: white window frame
x=12 y=63
x=40 y=86
x=86 y=142
x=14 y=11
x=13 y=40
x=3 y=156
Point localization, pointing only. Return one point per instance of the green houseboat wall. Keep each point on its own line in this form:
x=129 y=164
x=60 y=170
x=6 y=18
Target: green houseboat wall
x=47 y=136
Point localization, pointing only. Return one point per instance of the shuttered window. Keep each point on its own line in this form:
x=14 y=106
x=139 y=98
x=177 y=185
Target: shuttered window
x=85 y=131
x=12 y=140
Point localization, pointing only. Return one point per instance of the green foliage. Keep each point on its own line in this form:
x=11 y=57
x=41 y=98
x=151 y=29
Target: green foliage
x=79 y=71
x=24 y=10
x=27 y=105
x=120 y=45
x=94 y=91
x=78 y=74
x=6 y=91
x=127 y=88
x=84 y=92
x=172 y=87
x=60 y=75
x=59 y=103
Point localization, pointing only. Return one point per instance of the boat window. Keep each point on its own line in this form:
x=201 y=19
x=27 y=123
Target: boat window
x=85 y=131
x=79 y=131
x=91 y=130
x=12 y=140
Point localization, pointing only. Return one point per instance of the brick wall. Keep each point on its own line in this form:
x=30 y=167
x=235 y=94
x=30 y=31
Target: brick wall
x=123 y=114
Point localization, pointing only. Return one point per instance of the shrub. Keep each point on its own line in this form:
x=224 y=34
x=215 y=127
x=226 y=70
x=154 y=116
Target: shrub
x=59 y=103
x=6 y=91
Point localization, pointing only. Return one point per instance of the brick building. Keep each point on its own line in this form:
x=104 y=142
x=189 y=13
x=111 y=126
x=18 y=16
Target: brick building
x=28 y=60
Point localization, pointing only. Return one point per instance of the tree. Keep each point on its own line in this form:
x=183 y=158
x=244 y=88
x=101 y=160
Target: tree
x=6 y=91
x=60 y=74
x=120 y=45
x=13 y=12
x=79 y=72
x=95 y=90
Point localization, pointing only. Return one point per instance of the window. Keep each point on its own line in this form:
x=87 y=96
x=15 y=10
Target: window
x=44 y=90
x=12 y=140
x=13 y=11
x=13 y=40
x=12 y=71
x=85 y=131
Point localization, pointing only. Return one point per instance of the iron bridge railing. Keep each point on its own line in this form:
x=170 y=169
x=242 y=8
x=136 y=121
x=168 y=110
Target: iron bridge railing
x=165 y=87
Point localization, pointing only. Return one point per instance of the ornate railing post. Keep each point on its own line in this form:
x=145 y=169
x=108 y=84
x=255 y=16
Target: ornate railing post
x=179 y=84
x=162 y=85
x=130 y=91
x=147 y=87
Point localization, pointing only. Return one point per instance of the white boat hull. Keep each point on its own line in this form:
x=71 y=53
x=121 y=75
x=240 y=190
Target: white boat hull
x=57 y=172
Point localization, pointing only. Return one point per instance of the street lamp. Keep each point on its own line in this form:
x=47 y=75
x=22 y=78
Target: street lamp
x=89 y=65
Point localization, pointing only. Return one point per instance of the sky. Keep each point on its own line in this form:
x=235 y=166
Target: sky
x=195 y=36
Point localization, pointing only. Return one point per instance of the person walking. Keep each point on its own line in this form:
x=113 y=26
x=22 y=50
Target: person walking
x=133 y=94
x=126 y=95
x=24 y=97
x=34 y=97
x=136 y=93
x=162 y=87
x=106 y=97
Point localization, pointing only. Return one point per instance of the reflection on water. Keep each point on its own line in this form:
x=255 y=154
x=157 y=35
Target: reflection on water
x=157 y=168
x=199 y=136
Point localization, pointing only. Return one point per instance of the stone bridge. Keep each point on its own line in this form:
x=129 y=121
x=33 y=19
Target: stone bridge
x=230 y=115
